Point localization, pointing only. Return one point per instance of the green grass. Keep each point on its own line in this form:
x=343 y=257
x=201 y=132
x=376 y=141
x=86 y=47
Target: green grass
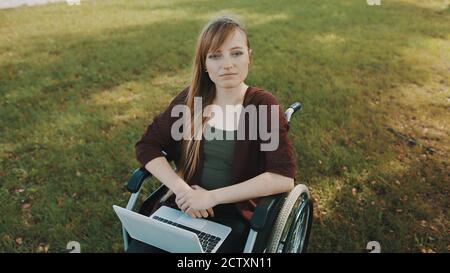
x=78 y=85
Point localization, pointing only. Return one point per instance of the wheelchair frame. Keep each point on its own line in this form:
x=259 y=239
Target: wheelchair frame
x=291 y=212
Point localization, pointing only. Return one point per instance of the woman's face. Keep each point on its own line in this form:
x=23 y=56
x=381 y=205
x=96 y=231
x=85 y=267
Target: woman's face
x=232 y=58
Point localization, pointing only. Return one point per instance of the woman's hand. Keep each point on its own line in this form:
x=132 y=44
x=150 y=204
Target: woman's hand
x=196 y=202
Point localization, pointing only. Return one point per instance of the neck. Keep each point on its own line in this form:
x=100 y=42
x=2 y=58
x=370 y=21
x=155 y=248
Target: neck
x=230 y=96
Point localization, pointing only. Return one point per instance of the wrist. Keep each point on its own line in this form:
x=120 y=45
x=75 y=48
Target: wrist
x=180 y=186
x=215 y=196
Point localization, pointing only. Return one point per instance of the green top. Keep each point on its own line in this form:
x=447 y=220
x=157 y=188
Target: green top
x=218 y=158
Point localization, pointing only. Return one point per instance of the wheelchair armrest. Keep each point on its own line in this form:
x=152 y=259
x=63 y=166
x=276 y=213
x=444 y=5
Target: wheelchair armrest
x=150 y=201
x=264 y=210
x=139 y=175
x=136 y=179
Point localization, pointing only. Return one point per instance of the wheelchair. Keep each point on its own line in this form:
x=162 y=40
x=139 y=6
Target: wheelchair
x=281 y=223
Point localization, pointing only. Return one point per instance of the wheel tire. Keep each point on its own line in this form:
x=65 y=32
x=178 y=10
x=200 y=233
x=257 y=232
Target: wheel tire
x=282 y=226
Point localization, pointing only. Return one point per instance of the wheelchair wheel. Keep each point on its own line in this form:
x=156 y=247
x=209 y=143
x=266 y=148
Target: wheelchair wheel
x=292 y=227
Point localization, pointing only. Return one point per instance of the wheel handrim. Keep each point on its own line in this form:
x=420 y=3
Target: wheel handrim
x=294 y=241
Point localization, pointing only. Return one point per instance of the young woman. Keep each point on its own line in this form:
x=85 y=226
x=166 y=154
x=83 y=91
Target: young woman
x=219 y=178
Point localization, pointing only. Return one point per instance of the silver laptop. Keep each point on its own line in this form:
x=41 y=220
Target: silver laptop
x=173 y=231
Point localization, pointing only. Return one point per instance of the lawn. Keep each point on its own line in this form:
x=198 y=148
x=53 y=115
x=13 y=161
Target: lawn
x=79 y=84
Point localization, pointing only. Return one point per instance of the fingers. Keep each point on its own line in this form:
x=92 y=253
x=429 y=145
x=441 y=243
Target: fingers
x=204 y=213
x=181 y=202
x=210 y=212
x=193 y=213
x=180 y=199
x=201 y=213
x=184 y=207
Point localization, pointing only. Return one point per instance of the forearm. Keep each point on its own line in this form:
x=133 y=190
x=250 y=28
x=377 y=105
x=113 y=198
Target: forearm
x=160 y=168
x=262 y=185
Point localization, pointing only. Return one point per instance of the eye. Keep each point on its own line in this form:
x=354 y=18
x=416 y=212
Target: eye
x=238 y=53
x=214 y=56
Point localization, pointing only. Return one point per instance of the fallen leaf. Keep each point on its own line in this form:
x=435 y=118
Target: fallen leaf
x=59 y=201
x=427 y=250
x=433 y=228
x=423 y=223
x=19 y=241
x=26 y=206
x=43 y=248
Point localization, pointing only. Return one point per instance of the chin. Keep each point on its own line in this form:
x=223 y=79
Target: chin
x=230 y=84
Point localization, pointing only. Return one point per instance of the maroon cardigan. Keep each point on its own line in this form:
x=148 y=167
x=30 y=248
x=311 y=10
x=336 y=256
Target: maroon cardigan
x=249 y=160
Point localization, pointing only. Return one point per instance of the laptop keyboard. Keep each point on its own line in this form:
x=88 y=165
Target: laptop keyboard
x=208 y=241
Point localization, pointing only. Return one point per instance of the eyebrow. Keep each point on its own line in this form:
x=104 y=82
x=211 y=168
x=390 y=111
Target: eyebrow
x=236 y=47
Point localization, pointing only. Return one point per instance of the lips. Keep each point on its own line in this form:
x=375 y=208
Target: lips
x=228 y=75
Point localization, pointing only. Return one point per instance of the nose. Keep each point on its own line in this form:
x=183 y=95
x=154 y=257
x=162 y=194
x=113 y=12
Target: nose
x=227 y=64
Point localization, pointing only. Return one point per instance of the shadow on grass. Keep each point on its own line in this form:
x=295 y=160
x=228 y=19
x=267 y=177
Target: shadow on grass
x=403 y=206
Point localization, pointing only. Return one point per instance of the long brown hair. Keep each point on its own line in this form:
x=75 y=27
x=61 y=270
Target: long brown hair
x=210 y=39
